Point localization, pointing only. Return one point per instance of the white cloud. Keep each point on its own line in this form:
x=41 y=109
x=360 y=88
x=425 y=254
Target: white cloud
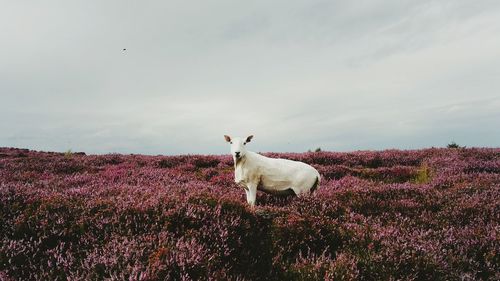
x=338 y=74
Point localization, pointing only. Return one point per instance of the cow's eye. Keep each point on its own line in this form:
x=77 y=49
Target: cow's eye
x=244 y=143
x=231 y=142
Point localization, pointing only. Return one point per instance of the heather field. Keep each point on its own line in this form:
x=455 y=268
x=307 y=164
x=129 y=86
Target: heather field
x=431 y=214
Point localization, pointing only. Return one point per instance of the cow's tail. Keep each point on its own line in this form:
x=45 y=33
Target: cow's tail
x=315 y=185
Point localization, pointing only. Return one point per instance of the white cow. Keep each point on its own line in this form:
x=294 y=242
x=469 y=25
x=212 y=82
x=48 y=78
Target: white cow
x=277 y=176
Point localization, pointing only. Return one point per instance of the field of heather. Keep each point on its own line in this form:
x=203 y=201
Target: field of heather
x=430 y=214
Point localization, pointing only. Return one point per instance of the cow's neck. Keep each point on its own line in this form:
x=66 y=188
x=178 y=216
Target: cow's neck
x=238 y=162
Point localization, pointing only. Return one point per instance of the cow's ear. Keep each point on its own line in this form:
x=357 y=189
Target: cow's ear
x=249 y=138
x=228 y=138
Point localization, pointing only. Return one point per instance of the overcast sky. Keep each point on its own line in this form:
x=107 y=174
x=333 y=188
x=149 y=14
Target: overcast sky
x=340 y=75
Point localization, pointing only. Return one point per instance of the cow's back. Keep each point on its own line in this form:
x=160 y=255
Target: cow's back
x=282 y=174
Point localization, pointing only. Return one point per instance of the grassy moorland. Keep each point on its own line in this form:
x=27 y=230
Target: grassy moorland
x=430 y=214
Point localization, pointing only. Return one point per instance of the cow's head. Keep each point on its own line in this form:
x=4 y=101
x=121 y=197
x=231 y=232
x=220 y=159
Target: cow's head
x=238 y=146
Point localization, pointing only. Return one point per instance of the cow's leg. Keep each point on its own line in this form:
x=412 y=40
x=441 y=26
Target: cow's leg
x=248 y=194
x=295 y=190
x=251 y=194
